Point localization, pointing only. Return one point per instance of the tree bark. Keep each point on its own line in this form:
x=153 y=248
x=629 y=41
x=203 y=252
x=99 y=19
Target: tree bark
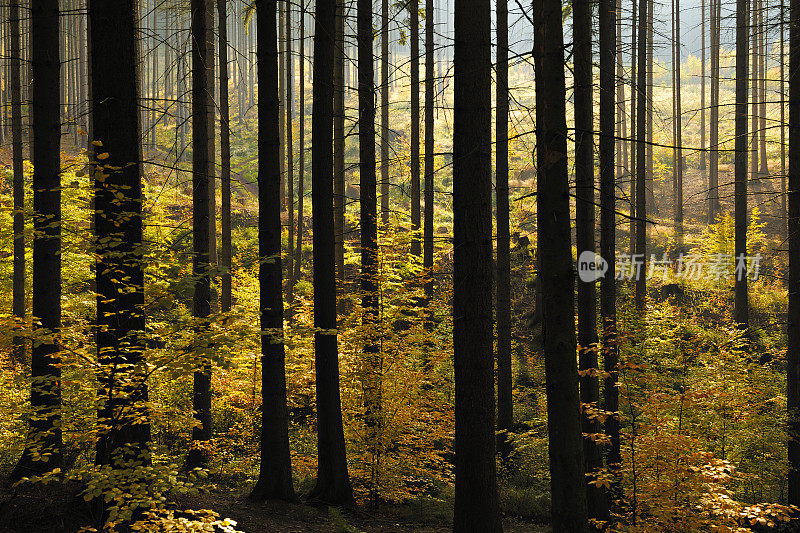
x=505 y=402
x=339 y=200
x=201 y=223
x=289 y=147
x=413 y=8
x=333 y=482
x=793 y=231
x=608 y=17
x=678 y=163
x=44 y=430
x=713 y=140
x=567 y=480
x=301 y=166
x=476 y=500
x=275 y=474
x=225 y=157
x=18 y=299
x=740 y=161
x=118 y=224
x=641 y=126
x=385 y=89
x=585 y=230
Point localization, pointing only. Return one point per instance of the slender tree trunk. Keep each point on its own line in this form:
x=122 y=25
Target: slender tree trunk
x=427 y=261
x=784 y=212
x=585 y=230
x=18 y=299
x=567 y=480
x=793 y=231
x=476 y=499
x=282 y=40
x=505 y=402
x=634 y=127
x=44 y=429
x=413 y=8
x=118 y=223
x=607 y=19
x=301 y=166
x=369 y=242
x=641 y=211
x=289 y=146
x=275 y=474
x=740 y=161
x=754 y=53
x=623 y=126
x=333 y=482
x=385 y=89
x=225 y=156
x=339 y=200
x=201 y=220
x=702 y=86
x=713 y=174
x=762 y=90
x=649 y=183
x=678 y=199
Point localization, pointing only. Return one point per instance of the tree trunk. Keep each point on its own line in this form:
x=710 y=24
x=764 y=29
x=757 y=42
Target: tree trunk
x=567 y=480
x=275 y=474
x=584 y=230
x=784 y=212
x=385 y=89
x=201 y=222
x=339 y=200
x=793 y=330
x=740 y=162
x=44 y=431
x=301 y=166
x=641 y=126
x=413 y=8
x=369 y=244
x=713 y=173
x=18 y=299
x=333 y=482
x=678 y=163
x=634 y=129
x=702 y=86
x=505 y=402
x=225 y=156
x=118 y=224
x=607 y=18
x=762 y=90
x=427 y=260
x=476 y=500
x=289 y=147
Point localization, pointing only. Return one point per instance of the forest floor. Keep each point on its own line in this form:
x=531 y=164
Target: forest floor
x=56 y=508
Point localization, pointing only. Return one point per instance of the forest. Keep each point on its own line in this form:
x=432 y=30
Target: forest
x=364 y=266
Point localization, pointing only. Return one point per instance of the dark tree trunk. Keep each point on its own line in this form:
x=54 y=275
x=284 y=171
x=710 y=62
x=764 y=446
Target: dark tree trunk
x=641 y=173
x=339 y=200
x=118 y=223
x=289 y=146
x=333 y=482
x=793 y=330
x=754 y=95
x=567 y=480
x=634 y=128
x=740 y=162
x=369 y=242
x=713 y=138
x=427 y=260
x=762 y=91
x=413 y=8
x=505 y=403
x=44 y=433
x=608 y=311
x=275 y=474
x=301 y=165
x=784 y=212
x=201 y=209
x=702 y=86
x=584 y=231
x=476 y=500
x=18 y=299
x=678 y=162
x=385 y=112
x=225 y=157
